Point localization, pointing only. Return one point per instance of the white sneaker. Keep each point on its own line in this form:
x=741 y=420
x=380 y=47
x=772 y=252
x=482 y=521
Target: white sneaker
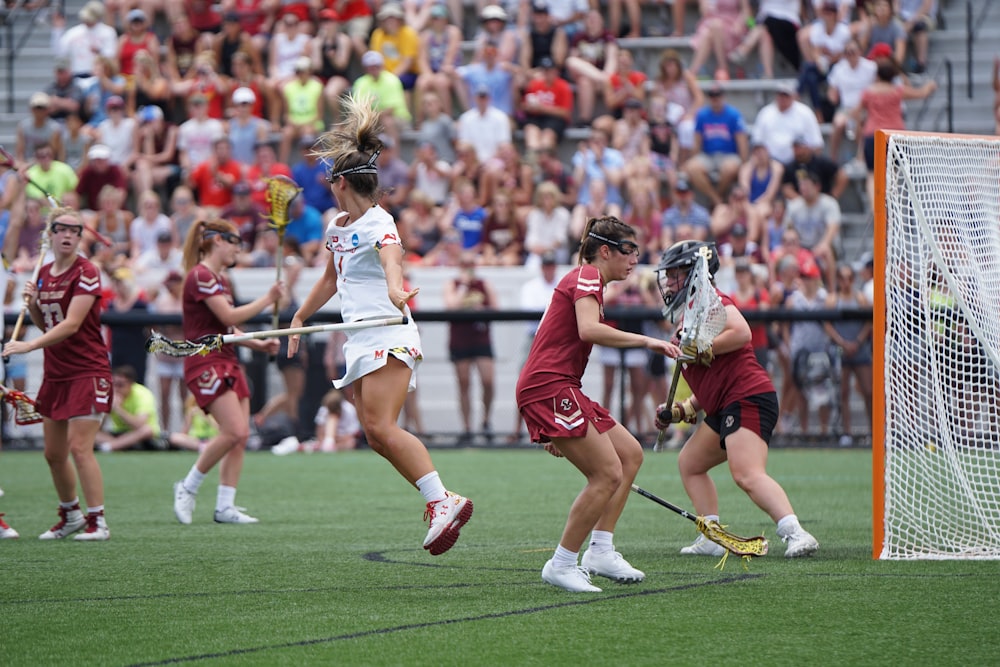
x=800 y=543
x=288 y=445
x=612 y=565
x=574 y=579
x=233 y=514
x=6 y=532
x=183 y=503
x=446 y=519
x=96 y=531
x=704 y=547
x=70 y=521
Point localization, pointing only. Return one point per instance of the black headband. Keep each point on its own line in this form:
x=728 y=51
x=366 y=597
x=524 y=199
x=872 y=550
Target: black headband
x=366 y=168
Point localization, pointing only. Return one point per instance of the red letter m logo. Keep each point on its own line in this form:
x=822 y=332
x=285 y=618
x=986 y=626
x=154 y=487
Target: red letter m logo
x=379 y=354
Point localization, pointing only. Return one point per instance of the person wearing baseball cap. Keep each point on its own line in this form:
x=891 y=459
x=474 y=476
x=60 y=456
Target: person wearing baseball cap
x=84 y=42
x=548 y=108
x=245 y=128
x=335 y=52
x=385 y=88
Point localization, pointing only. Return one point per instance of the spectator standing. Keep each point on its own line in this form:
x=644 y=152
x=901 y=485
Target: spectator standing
x=853 y=337
x=133 y=422
x=807 y=343
x=721 y=147
x=76 y=381
x=779 y=122
x=484 y=126
x=685 y=218
x=682 y=96
x=469 y=343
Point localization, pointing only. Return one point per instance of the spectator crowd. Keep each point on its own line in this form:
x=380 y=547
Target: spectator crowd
x=161 y=114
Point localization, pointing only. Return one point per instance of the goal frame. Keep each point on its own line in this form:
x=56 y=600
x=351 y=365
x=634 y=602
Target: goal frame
x=879 y=306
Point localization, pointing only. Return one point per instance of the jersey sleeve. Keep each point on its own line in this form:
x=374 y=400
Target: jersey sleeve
x=89 y=282
x=203 y=284
x=588 y=283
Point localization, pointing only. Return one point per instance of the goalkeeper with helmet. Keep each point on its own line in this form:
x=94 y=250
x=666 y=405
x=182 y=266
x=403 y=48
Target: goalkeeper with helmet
x=740 y=404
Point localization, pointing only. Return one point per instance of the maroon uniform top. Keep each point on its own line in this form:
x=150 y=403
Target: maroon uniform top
x=558 y=357
x=84 y=354
x=475 y=334
x=732 y=376
x=199 y=320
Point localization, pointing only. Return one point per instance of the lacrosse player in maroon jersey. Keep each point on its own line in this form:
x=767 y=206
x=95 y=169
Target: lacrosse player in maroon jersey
x=216 y=380
x=741 y=410
x=571 y=425
x=65 y=304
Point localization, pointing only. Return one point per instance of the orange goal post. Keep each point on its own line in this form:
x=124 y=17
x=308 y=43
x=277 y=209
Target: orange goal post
x=936 y=403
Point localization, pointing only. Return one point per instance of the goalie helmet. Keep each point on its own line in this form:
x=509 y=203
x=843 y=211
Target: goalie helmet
x=682 y=255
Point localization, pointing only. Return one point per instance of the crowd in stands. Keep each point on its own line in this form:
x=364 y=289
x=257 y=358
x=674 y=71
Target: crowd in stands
x=162 y=113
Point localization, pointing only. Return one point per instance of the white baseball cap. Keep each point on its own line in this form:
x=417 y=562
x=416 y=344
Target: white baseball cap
x=244 y=95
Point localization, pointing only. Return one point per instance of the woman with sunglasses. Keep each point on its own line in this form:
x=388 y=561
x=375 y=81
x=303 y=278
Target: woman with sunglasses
x=571 y=425
x=365 y=267
x=216 y=380
x=65 y=304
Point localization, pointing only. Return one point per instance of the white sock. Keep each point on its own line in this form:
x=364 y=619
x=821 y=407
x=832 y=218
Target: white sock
x=564 y=557
x=712 y=517
x=431 y=487
x=788 y=524
x=601 y=542
x=226 y=498
x=97 y=509
x=71 y=504
x=193 y=480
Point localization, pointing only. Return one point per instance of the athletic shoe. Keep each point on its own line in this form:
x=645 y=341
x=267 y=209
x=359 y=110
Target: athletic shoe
x=96 y=531
x=573 y=578
x=612 y=565
x=704 y=547
x=446 y=519
x=70 y=521
x=233 y=514
x=183 y=503
x=6 y=532
x=288 y=445
x=800 y=543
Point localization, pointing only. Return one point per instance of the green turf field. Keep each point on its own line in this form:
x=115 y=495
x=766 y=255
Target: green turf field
x=335 y=575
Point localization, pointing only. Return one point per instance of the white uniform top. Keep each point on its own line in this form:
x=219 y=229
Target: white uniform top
x=364 y=295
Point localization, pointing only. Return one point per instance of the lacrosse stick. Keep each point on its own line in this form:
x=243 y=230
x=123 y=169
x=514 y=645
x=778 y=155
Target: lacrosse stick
x=25 y=410
x=745 y=547
x=213 y=342
x=281 y=190
x=704 y=319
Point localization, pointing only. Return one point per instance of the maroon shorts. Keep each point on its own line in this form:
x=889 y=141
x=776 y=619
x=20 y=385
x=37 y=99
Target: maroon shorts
x=64 y=399
x=215 y=380
x=565 y=415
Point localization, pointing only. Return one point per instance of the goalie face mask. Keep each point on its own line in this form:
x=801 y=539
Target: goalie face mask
x=681 y=257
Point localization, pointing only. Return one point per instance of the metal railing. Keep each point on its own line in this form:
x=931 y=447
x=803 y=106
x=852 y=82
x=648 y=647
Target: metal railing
x=13 y=43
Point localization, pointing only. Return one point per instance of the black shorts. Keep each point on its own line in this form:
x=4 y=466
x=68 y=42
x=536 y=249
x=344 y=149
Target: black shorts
x=657 y=367
x=545 y=122
x=759 y=413
x=476 y=352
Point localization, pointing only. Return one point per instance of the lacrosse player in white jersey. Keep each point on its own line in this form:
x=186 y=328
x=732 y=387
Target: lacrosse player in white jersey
x=365 y=269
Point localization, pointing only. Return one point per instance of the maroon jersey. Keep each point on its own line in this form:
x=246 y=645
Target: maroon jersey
x=84 y=354
x=199 y=320
x=732 y=376
x=475 y=334
x=558 y=357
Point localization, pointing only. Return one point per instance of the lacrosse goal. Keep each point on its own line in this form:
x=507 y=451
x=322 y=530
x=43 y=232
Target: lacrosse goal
x=936 y=421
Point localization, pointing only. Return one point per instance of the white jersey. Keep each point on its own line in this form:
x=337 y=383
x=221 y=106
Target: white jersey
x=364 y=295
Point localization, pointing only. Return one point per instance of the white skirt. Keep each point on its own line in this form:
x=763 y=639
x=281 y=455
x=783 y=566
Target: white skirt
x=368 y=350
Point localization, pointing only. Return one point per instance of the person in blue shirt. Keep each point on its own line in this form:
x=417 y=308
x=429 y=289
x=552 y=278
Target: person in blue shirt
x=466 y=215
x=721 y=146
x=306 y=227
x=310 y=174
x=685 y=219
x=597 y=161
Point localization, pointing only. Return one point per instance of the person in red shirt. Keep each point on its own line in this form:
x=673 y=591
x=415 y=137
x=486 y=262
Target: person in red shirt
x=741 y=411
x=264 y=167
x=214 y=178
x=76 y=388
x=98 y=173
x=568 y=423
x=548 y=108
x=216 y=380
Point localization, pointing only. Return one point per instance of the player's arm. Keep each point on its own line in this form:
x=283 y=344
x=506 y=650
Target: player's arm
x=391 y=257
x=79 y=307
x=592 y=330
x=734 y=335
x=321 y=292
x=230 y=315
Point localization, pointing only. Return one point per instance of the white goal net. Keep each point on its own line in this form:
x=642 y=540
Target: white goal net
x=941 y=353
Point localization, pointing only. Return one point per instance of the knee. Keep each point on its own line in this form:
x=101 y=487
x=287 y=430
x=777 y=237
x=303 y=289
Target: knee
x=746 y=481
